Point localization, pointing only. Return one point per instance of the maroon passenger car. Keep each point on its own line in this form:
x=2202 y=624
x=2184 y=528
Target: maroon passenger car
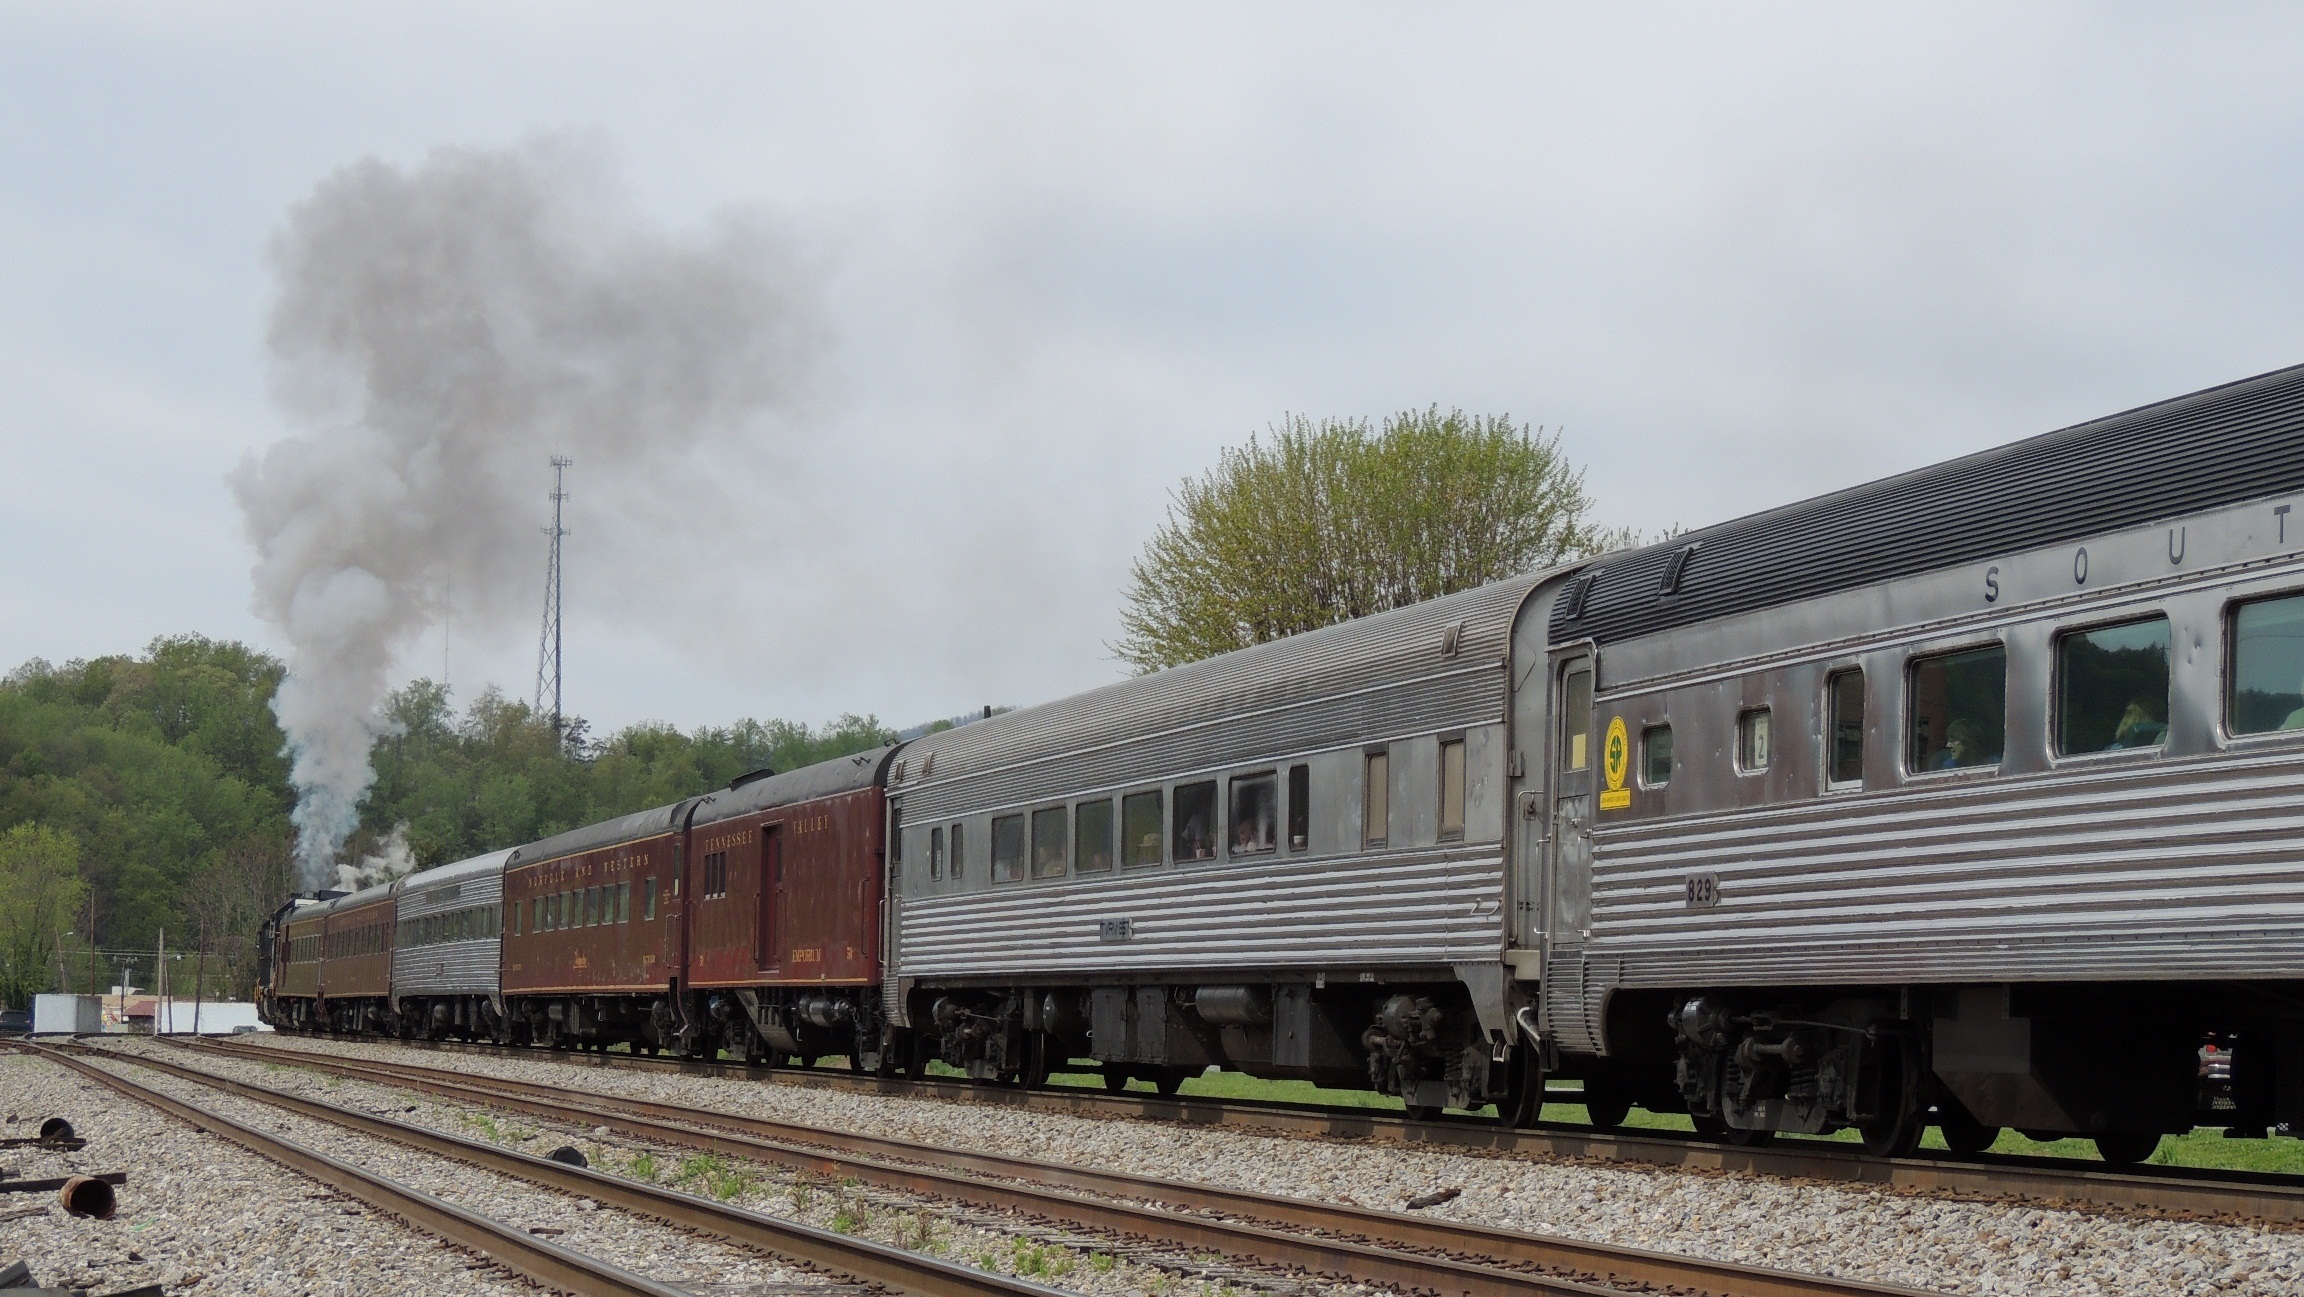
x=748 y=919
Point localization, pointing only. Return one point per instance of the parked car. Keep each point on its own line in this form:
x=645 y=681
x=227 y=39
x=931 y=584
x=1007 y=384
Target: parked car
x=15 y=1022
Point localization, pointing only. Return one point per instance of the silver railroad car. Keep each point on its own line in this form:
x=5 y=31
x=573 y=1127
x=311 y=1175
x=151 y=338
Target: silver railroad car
x=1287 y=860
x=448 y=951
x=1973 y=792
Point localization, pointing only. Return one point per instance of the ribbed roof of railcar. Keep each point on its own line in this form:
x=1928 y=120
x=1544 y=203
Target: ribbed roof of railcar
x=2240 y=441
x=808 y=783
x=1317 y=664
x=650 y=823
x=455 y=872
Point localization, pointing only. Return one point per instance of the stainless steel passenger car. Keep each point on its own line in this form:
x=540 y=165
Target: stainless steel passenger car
x=1288 y=860
x=1976 y=789
x=448 y=954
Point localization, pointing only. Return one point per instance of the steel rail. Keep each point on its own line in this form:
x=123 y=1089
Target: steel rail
x=861 y=1259
x=2251 y=1195
x=894 y=1163
x=547 y=1263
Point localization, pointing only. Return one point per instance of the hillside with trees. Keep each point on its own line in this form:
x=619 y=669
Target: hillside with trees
x=148 y=793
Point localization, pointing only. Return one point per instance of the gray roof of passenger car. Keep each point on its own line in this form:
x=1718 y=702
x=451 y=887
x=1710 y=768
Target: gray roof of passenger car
x=2240 y=441
x=650 y=823
x=1319 y=664
x=456 y=872
x=824 y=779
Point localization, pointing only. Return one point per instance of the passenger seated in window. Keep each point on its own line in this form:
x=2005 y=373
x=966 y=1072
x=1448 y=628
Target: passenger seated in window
x=2138 y=729
x=1961 y=748
x=1194 y=841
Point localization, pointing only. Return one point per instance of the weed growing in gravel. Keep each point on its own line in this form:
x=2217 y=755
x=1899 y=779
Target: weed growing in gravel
x=803 y=1192
x=481 y=1122
x=1034 y=1261
x=1102 y=1262
x=643 y=1167
x=849 y=1214
x=986 y=1260
x=920 y=1234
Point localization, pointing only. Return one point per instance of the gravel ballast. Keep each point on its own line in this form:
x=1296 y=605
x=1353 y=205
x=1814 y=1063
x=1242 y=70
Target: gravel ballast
x=1854 y=1231
x=199 y=1214
x=1045 y=1252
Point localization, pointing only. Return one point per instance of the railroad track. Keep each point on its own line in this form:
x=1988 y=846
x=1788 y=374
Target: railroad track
x=2177 y=1191
x=559 y=1268
x=1376 y=1247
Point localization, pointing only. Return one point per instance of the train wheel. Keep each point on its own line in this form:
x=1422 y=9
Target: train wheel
x=1168 y=1080
x=2126 y=1148
x=1036 y=1066
x=1896 y=1131
x=1115 y=1078
x=1423 y=1112
x=1524 y=1100
x=1605 y=1107
x=1963 y=1133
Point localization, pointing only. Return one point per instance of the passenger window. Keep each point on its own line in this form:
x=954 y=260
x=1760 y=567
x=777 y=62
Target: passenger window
x=936 y=852
x=2265 y=687
x=958 y=841
x=648 y=899
x=1050 y=844
x=1196 y=821
x=1755 y=747
x=536 y=914
x=624 y=901
x=1844 y=694
x=1656 y=756
x=1093 y=823
x=592 y=917
x=1299 y=807
x=1255 y=814
x=1958 y=702
x=1452 y=791
x=1376 y=801
x=1007 y=848
x=1140 y=829
x=1576 y=720
x=2112 y=688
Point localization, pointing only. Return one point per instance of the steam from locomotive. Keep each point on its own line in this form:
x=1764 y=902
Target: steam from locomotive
x=439 y=331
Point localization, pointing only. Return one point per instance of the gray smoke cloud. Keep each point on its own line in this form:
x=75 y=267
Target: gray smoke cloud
x=440 y=331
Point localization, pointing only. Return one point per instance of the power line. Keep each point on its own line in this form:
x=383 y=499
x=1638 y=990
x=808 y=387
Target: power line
x=548 y=650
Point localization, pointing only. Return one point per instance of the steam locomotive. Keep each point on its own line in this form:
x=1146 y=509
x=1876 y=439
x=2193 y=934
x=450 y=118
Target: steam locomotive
x=1968 y=797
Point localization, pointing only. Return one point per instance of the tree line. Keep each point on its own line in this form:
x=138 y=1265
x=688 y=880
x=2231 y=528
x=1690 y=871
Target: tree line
x=149 y=793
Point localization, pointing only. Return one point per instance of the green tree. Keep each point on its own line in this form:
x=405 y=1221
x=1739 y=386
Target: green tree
x=40 y=892
x=1326 y=521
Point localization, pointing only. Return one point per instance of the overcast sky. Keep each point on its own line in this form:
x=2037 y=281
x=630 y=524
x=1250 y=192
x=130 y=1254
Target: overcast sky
x=1742 y=254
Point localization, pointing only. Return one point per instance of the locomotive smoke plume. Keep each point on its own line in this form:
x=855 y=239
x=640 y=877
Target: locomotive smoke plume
x=440 y=331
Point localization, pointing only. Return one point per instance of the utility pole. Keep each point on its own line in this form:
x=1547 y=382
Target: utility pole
x=548 y=650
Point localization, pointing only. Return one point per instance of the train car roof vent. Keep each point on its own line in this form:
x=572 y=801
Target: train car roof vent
x=1579 y=590
x=1675 y=568
x=1452 y=639
x=928 y=764
x=750 y=777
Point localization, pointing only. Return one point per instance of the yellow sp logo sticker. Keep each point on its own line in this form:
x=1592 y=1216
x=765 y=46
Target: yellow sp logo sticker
x=1616 y=763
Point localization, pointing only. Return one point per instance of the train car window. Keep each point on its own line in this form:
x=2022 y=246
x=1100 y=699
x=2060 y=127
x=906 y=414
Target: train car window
x=959 y=842
x=1755 y=741
x=1255 y=814
x=515 y=918
x=1576 y=719
x=1656 y=756
x=648 y=899
x=1957 y=710
x=1140 y=829
x=556 y=909
x=1299 y=807
x=536 y=914
x=936 y=852
x=1051 y=842
x=1093 y=823
x=1195 y=832
x=1376 y=799
x=2112 y=687
x=896 y=839
x=624 y=901
x=1452 y=791
x=2264 y=690
x=1844 y=697
x=1007 y=848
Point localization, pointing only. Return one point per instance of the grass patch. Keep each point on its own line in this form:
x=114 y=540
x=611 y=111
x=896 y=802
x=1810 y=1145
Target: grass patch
x=1032 y=1260
x=643 y=1167
x=481 y=1122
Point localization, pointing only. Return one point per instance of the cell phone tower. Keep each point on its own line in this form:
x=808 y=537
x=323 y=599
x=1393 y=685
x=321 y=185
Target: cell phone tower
x=548 y=651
